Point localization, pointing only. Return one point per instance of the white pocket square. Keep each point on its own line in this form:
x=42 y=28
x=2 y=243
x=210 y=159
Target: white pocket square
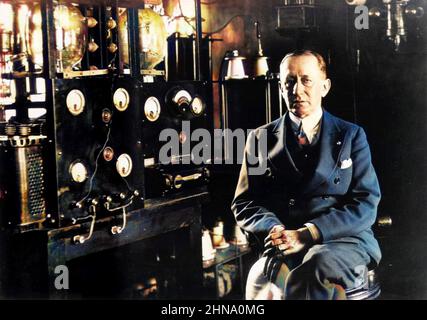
x=346 y=163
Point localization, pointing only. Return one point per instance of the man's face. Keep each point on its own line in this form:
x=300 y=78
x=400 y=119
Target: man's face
x=303 y=85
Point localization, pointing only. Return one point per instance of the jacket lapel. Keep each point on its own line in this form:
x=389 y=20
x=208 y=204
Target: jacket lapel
x=278 y=153
x=331 y=140
x=331 y=143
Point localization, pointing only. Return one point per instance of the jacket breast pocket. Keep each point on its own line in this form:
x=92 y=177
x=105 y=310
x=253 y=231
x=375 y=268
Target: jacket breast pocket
x=341 y=180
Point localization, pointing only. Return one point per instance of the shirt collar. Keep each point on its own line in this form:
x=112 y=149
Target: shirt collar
x=310 y=124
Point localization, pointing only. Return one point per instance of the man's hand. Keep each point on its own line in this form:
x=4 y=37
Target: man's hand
x=280 y=243
x=276 y=234
x=274 y=257
x=294 y=241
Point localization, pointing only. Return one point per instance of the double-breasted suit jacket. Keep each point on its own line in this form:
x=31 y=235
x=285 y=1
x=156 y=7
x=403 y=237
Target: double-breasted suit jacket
x=340 y=198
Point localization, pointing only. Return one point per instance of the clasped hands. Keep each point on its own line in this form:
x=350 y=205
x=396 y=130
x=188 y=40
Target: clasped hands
x=280 y=243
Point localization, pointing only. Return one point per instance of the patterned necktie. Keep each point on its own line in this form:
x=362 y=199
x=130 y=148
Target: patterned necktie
x=301 y=136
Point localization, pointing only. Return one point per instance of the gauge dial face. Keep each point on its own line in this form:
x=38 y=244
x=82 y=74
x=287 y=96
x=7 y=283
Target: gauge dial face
x=182 y=98
x=75 y=102
x=78 y=172
x=121 y=99
x=152 y=109
x=197 y=106
x=124 y=165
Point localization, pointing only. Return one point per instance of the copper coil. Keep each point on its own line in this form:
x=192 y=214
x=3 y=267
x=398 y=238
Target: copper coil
x=24 y=130
x=10 y=130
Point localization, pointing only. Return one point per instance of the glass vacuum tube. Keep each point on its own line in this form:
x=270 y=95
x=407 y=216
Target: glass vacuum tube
x=152 y=38
x=71 y=34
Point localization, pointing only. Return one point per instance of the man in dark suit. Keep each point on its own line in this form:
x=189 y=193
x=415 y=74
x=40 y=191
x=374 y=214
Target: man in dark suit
x=317 y=199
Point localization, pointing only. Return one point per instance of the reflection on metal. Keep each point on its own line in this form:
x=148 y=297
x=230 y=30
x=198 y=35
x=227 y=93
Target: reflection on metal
x=385 y=221
x=70 y=74
x=106 y=115
x=91 y=22
x=23 y=182
x=396 y=13
x=92 y=46
x=108 y=154
x=80 y=239
x=261 y=65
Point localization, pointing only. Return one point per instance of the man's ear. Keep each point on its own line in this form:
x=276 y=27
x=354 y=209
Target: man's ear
x=326 y=86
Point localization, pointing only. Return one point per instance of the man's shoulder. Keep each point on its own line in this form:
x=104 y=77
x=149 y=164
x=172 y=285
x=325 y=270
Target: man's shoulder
x=270 y=127
x=341 y=123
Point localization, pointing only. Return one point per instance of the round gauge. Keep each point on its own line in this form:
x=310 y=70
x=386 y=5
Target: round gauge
x=124 y=165
x=152 y=109
x=121 y=99
x=78 y=172
x=197 y=106
x=75 y=102
x=182 y=99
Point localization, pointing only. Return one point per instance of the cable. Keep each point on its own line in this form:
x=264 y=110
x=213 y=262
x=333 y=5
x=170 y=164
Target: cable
x=186 y=19
x=96 y=165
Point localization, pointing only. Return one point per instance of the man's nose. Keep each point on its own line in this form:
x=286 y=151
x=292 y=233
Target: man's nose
x=298 y=88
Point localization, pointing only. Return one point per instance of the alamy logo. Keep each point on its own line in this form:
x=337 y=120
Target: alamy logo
x=362 y=20
x=204 y=145
x=62 y=280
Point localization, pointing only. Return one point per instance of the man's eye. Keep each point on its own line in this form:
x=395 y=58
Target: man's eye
x=306 y=82
x=289 y=84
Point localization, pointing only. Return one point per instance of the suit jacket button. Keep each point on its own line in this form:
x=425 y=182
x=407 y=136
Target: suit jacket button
x=291 y=202
x=337 y=180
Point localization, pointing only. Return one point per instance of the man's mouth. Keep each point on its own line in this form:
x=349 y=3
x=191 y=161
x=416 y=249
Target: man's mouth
x=298 y=102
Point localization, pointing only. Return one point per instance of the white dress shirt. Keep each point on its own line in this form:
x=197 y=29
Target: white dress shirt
x=310 y=125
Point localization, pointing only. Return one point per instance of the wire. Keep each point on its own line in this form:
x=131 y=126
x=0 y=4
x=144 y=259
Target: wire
x=186 y=19
x=96 y=165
